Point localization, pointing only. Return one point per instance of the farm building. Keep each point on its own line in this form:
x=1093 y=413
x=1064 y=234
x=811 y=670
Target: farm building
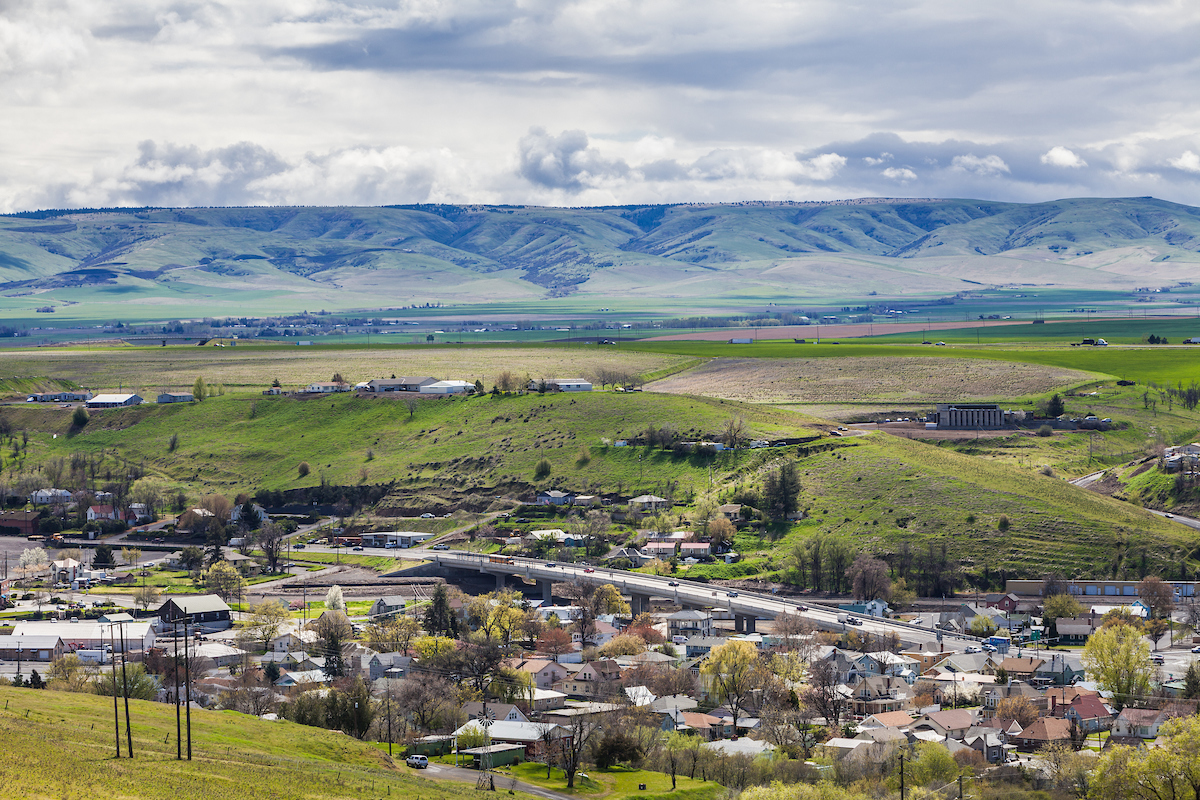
x=326 y=387
x=114 y=400
x=968 y=416
x=175 y=397
x=208 y=610
x=402 y=384
x=560 y=385
x=448 y=387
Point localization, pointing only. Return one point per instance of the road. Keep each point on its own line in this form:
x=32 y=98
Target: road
x=692 y=593
x=461 y=775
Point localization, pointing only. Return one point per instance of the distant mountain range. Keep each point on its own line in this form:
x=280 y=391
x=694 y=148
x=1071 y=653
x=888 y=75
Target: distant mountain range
x=416 y=254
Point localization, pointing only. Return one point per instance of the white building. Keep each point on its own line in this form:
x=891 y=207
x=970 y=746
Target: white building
x=448 y=387
x=90 y=635
x=561 y=385
x=113 y=400
x=50 y=497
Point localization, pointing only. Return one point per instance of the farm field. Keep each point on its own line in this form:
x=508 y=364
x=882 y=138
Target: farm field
x=482 y=446
x=152 y=369
x=234 y=756
x=867 y=379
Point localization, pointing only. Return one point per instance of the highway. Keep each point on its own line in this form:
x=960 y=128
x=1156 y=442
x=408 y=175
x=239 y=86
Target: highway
x=696 y=594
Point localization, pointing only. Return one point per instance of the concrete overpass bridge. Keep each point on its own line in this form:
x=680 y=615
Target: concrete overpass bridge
x=744 y=607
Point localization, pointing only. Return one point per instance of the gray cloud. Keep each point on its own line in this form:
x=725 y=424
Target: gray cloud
x=564 y=161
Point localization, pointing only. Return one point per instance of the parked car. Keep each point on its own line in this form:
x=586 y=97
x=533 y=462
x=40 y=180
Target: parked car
x=441 y=547
x=298 y=547
x=418 y=762
x=427 y=515
x=1196 y=649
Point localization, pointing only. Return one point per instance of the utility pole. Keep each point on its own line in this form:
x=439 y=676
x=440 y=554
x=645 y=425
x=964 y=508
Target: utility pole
x=116 y=714
x=187 y=677
x=902 y=776
x=125 y=688
x=389 y=715
x=178 y=720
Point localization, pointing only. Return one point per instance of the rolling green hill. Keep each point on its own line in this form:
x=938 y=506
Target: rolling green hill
x=700 y=256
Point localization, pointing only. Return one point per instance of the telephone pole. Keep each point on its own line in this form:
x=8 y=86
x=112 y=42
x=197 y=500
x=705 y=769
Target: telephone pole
x=125 y=688
x=116 y=714
x=178 y=719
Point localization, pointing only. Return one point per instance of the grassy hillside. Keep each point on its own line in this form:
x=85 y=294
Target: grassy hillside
x=484 y=445
x=191 y=262
x=60 y=745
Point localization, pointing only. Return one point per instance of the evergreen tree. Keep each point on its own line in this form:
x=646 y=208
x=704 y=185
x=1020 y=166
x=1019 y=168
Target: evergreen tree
x=1191 y=682
x=439 y=617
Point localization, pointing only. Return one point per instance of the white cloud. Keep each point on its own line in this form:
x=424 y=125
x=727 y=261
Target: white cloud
x=823 y=167
x=901 y=174
x=871 y=161
x=988 y=165
x=1059 y=156
x=1188 y=162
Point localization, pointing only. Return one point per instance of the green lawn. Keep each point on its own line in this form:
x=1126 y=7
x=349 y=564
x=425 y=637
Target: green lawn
x=234 y=756
x=378 y=563
x=616 y=783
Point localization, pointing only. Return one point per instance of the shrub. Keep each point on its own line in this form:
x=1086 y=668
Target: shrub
x=542 y=470
x=1003 y=524
x=80 y=417
x=173 y=443
x=303 y=469
x=1045 y=431
x=970 y=519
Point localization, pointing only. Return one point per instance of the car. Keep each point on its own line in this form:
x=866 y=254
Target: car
x=672 y=583
x=522 y=520
x=417 y=762
x=802 y=608
x=427 y=515
x=551 y=564
x=588 y=569
x=1169 y=516
x=854 y=621
x=298 y=546
x=441 y=547
x=158 y=540
x=1196 y=649
x=989 y=648
x=357 y=547
x=505 y=515
x=1157 y=658
x=731 y=594
x=972 y=649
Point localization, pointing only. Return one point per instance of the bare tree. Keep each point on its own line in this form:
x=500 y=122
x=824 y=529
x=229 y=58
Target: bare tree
x=822 y=694
x=735 y=432
x=412 y=403
x=868 y=577
x=271 y=539
x=573 y=747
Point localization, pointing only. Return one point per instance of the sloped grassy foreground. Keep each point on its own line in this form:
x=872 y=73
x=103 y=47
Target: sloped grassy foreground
x=60 y=745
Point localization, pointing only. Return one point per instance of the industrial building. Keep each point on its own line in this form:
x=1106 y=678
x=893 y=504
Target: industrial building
x=969 y=416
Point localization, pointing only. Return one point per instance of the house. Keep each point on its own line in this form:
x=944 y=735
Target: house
x=1089 y=713
x=663 y=550
x=701 y=645
x=586 y=500
x=32 y=647
x=497 y=711
x=705 y=726
x=601 y=634
x=992 y=696
x=872 y=608
x=1022 y=669
x=952 y=724
x=731 y=511
x=248 y=566
x=528 y=734
x=1138 y=723
x=102 y=512
x=1077 y=630
x=1062 y=669
x=631 y=553
x=302 y=678
x=292 y=640
x=560 y=385
x=545 y=673
x=208 y=611
x=1003 y=602
x=880 y=693
x=326 y=387
x=594 y=679
x=400 y=539
x=884 y=663
x=838 y=747
x=258 y=512
x=1042 y=732
x=886 y=719
x=844 y=663
x=387 y=665
x=387 y=606
x=175 y=397
x=401 y=384
x=50 y=497
x=695 y=549
x=113 y=401
x=553 y=497
x=989 y=745
x=557 y=535
x=448 y=387
x=59 y=397
x=648 y=502
x=689 y=622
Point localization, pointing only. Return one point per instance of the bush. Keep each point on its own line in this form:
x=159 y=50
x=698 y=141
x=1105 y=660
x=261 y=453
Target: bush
x=1045 y=431
x=80 y=417
x=303 y=469
x=1003 y=524
x=173 y=443
x=49 y=525
x=542 y=470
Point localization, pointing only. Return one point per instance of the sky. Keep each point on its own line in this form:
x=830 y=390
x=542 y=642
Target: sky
x=594 y=102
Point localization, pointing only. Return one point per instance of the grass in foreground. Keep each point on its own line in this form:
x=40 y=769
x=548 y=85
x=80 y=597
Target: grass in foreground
x=234 y=756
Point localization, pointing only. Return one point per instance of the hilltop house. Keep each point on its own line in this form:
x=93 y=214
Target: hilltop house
x=402 y=384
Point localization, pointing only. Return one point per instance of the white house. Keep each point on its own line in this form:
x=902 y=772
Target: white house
x=235 y=514
x=326 y=387
x=50 y=497
x=561 y=385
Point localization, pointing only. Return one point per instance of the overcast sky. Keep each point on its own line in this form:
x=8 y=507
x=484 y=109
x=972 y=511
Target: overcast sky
x=145 y=102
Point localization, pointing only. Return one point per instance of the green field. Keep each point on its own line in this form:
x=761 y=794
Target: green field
x=234 y=756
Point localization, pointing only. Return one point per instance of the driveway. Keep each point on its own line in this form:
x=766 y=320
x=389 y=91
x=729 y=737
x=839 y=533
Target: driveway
x=503 y=782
